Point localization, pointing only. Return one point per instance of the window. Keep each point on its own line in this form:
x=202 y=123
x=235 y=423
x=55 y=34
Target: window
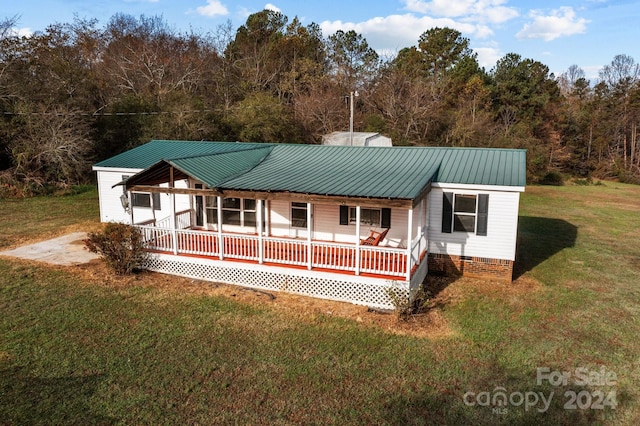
x=143 y=199
x=239 y=211
x=231 y=211
x=299 y=215
x=378 y=218
x=211 y=206
x=465 y=213
x=370 y=217
x=249 y=212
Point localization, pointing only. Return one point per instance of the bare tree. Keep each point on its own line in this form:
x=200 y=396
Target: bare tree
x=568 y=79
x=622 y=70
x=52 y=148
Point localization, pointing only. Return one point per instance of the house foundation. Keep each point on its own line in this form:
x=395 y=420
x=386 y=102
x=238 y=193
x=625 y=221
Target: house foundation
x=471 y=266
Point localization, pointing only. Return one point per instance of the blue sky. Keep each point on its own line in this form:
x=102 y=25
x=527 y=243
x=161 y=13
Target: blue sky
x=587 y=33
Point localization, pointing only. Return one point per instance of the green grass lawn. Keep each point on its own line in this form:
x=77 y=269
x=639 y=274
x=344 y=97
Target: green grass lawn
x=42 y=217
x=74 y=352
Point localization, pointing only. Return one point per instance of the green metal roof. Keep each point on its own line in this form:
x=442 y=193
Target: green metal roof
x=216 y=168
x=376 y=172
x=483 y=166
x=152 y=152
x=341 y=171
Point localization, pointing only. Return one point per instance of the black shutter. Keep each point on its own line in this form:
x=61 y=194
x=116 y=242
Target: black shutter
x=447 y=211
x=386 y=218
x=199 y=210
x=156 y=201
x=344 y=215
x=483 y=214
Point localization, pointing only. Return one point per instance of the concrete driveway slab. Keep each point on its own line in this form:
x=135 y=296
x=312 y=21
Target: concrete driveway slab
x=66 y=250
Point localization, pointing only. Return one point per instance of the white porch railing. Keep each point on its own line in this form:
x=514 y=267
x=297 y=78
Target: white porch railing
x=183 y=221
x=388 y=260
x=197 y=242
x=285 y=251
x=325 y=255
x=155 y=238
x=334 y=256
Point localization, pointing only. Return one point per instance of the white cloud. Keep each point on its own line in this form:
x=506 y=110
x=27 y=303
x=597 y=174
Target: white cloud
x=24 y=32
x=592 y=72
x=492 y=11
x=213 y=8
x=20 y=32
x=395 y=32
x=488 y=56
x=560 y=23
x=449 y=8
x=500 y=14
x=270 y=6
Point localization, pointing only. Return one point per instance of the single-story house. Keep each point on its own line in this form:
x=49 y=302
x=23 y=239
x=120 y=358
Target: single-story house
x=338 y=222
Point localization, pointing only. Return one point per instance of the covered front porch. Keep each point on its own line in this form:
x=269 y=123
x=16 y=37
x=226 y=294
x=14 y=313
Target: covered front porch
x=309 y=244
x=355 y=259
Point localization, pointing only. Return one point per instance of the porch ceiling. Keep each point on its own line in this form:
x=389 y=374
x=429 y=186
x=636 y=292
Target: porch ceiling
x=157 y=174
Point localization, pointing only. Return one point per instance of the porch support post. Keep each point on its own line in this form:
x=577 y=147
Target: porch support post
x=357 y=240
x=409 y=242
x=425 y=225
x=173 y=223
x=130 y=196
x=220 y=245
x=172 y=216
x=153 y=208
x=260 y=232
x=309 y=246
x=420 y=222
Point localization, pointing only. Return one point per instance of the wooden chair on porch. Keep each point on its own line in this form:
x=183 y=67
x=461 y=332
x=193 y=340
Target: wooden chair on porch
x=374 y=237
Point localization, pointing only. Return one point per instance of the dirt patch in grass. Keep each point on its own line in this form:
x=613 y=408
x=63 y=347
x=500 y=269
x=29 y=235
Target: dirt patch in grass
x=429 y=324
x=451 y=291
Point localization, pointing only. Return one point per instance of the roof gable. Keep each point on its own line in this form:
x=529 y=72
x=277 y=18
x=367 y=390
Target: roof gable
x=152 y=152
x=214 y=169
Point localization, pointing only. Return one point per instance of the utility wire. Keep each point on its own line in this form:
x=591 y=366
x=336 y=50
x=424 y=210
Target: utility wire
x=100 y=114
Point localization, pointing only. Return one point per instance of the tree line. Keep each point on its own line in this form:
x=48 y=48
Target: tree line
x=78 y=92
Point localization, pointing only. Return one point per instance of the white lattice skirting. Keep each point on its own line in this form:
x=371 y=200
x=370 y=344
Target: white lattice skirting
x=359 y=290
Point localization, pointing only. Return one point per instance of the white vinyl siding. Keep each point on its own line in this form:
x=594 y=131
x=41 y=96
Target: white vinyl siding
x=111 y=208
x=326 y=225
x=396 y=237
x=502 y=224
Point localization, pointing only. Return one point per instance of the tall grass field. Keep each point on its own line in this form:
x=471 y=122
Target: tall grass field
x=559 y=346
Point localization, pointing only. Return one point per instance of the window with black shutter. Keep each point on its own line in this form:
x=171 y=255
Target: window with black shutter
x=465 y=213
x=447 y=212
x=379 y=218
x=344 y=215
x=483 y=214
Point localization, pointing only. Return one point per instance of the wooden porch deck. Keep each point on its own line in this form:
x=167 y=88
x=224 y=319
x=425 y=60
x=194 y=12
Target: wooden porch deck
x=374 y=261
